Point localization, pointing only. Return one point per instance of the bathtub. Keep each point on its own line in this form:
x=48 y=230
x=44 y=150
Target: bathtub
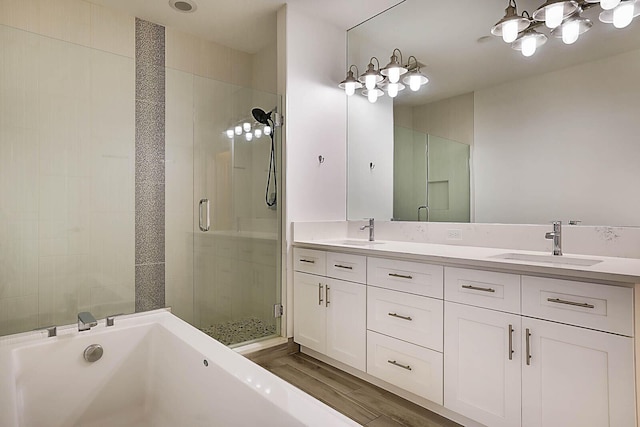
x=156 y=371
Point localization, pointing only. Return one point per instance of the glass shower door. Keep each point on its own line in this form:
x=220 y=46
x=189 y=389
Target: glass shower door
x=237 y=247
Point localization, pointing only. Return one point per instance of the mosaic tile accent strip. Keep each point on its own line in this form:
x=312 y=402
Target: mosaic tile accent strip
x=237 y=331
x=150 y=168
x=150 y=282
x=150 y=223
x=150 y=43
x=150 y=141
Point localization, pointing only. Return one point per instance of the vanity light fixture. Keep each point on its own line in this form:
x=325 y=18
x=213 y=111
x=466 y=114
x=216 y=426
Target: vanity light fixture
x=393 y=70
x=375 y=82
x=350 y=84
x=414 y=78
x=512 y=24
x=371 y=77
x=564 y=19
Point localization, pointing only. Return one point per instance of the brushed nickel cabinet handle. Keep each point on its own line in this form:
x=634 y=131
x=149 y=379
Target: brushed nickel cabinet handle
x=346 y=267
x=576 y=304
x=204 y=225
x=320 y=288
x=393 y=362
x=477 y=288
x=310 y=261
x=400 y=317
x=326 y=296
x=510 y=342
x=528 y=346
x=402 y=276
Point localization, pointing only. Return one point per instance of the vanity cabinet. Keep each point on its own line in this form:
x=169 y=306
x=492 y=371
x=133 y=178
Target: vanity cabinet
x=501 y=349
x=482 y=364
x=329 y=313
x=507 y=369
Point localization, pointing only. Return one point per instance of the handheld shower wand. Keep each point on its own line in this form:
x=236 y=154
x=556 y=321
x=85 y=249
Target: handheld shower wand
x=265 y=119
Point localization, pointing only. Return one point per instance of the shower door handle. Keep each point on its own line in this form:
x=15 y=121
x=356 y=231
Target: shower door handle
x=207 y=223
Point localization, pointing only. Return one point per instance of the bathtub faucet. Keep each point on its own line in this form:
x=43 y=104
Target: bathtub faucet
x=86 y=321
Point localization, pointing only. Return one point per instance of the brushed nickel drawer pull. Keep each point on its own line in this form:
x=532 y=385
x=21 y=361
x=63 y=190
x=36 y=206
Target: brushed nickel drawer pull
x=320 y=287
x=510 y=342
x=346 y=267
x=400 y=317
x=402 y=276
x=528 y=346
x=310 y=261
x=477 y=288
x=393 y=362
x=326 y=296
x=577 y=304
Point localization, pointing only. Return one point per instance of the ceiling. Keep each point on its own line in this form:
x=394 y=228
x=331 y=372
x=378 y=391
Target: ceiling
x=246 y=25
x=450 y=37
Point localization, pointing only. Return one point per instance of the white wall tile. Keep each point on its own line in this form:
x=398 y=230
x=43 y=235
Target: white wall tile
x=68 y=20
x=112 y=31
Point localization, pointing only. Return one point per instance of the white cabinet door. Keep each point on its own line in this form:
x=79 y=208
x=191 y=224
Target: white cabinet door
x=309 y=311
x=346 y=304
x=576 y=377
x=482 y=364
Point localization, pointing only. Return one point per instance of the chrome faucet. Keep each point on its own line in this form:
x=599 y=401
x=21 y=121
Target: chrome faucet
x=370 y=227
x=556 y=235
x=86 y=321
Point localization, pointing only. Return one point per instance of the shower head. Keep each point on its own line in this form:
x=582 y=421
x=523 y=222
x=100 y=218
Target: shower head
x=261 y=116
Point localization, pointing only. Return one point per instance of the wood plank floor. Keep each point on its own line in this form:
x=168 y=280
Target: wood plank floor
x=364 y=403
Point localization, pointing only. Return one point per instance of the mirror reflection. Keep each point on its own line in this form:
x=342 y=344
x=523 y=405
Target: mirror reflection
x=552 y=136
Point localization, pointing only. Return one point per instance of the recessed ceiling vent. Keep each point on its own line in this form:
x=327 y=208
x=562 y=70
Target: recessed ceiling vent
x=185 y=6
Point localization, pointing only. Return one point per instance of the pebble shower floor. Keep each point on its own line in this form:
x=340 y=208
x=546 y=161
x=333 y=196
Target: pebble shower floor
x=238 y=331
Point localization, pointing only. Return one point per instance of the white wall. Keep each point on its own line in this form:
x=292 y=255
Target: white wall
x=568 y=149
x=316 y=118
x=312 y=56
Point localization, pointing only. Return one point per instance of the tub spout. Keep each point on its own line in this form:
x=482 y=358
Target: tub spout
x=86 y=321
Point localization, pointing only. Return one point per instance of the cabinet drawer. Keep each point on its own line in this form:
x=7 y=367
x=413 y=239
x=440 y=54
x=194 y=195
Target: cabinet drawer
x=497 y=291
x=347 y=267
x=408 y=317
x=602 y=307
x=405 y=276
x=413 y=368
x=309 y=261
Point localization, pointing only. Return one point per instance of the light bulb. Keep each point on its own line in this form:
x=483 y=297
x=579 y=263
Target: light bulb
x=392 y=90
x=510 y=31
x=609 y=4
x=554 y=15
x=394 y=75
x=370 y=82
x=248 y=136
x=246 y=126
x=623 y=14
x=570 y=32
x=372 y=95
x=258 y=133
x=238 y=130
x=267 y=130
x=229 y=133
x=529 y=46
x=414 y=83
x=350 y=88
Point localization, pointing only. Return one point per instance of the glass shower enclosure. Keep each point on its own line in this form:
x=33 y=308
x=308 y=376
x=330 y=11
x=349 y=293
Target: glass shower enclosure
x=224 y=213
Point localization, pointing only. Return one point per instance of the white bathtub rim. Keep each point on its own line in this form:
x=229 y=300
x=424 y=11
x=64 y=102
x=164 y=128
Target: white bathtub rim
x=300 y=405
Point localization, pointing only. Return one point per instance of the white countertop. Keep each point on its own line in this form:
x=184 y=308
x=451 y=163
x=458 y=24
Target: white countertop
x=621 y=271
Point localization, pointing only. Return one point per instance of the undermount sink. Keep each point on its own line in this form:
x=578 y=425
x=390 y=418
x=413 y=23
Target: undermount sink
x=551 y=259
x=356 y=242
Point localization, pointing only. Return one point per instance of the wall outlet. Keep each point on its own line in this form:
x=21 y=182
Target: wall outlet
x=454 y=234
